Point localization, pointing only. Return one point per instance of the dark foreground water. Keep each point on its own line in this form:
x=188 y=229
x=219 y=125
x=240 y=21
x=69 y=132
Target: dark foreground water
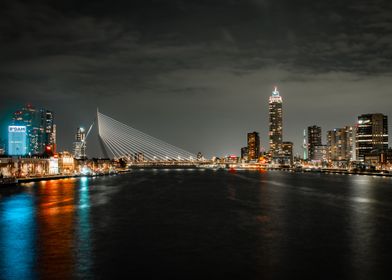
x=194 y=224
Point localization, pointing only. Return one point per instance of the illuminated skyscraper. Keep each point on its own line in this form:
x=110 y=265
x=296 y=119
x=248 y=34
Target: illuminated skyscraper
x=275 y=123
x=80 y=144
x=49 y=135
x=253 y=145
x=372 y=134
x=314 y=139
x=40 y=128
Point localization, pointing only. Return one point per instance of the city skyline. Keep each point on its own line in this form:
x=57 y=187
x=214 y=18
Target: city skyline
x=97 y=151
x=157 y=67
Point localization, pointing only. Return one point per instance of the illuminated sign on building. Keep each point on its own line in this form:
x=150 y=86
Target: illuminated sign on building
x=14 y=128
x=17 y=140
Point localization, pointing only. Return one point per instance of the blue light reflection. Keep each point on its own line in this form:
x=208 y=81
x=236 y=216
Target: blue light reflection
x=17 y=237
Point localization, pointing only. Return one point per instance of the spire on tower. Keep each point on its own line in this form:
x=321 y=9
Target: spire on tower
x=275 y=92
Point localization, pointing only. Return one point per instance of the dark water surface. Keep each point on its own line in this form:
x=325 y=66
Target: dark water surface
x=194 y=224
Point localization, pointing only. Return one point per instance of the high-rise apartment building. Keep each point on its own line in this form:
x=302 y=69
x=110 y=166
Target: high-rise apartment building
x=341 y=144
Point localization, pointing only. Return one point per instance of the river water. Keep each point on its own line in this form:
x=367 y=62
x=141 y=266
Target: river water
x=198 y=224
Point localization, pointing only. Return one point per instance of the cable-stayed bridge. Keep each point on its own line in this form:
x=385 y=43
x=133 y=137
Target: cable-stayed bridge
x=138 y=148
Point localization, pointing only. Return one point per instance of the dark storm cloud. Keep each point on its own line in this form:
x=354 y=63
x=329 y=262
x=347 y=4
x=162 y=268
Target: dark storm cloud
x=132 y=58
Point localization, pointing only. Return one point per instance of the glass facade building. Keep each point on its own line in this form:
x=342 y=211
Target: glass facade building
x=17 y=140
x=40 y=128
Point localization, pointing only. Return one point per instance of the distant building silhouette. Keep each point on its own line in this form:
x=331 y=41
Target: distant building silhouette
x=244 y=153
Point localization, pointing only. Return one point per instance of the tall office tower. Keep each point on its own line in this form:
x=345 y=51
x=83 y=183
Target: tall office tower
x=372 y=134
x=275 y=123
x=49 y=129
x=314 y=139
x=253 y=145
x=341 y=143
x=80 y=144
x=27 y=116
x=40 y=128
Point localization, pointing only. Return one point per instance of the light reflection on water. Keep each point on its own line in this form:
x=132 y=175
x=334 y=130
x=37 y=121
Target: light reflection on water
x=17 y=237
x=46 y=234
x=84 y=259
x=268 y=225
x=56 y=221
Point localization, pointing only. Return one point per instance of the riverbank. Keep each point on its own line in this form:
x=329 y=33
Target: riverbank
x=338 y=171
x=58 y=177
x=19 y=181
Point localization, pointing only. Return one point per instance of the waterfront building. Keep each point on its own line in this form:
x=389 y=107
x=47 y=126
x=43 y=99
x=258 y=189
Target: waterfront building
x=287 y=148
x=53 y=166
x=320 y=153
x=253 y=145
x=275 y=123
x=341 y=144
x=381 y=160
x=231 y=159
x=66 y=163
x=24 y=167
x=139 y=157
x=372 y=134
x=40 y=128
x=17 y=140
x=80 y=144
x=314 y=139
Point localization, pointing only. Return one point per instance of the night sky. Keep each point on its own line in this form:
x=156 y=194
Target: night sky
x=197 y=74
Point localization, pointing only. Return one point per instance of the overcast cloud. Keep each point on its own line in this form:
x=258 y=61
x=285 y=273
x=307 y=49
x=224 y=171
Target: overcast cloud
x=197 y=74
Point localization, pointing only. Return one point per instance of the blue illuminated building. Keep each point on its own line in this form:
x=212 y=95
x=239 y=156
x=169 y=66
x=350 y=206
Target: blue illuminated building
x=17 y=140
